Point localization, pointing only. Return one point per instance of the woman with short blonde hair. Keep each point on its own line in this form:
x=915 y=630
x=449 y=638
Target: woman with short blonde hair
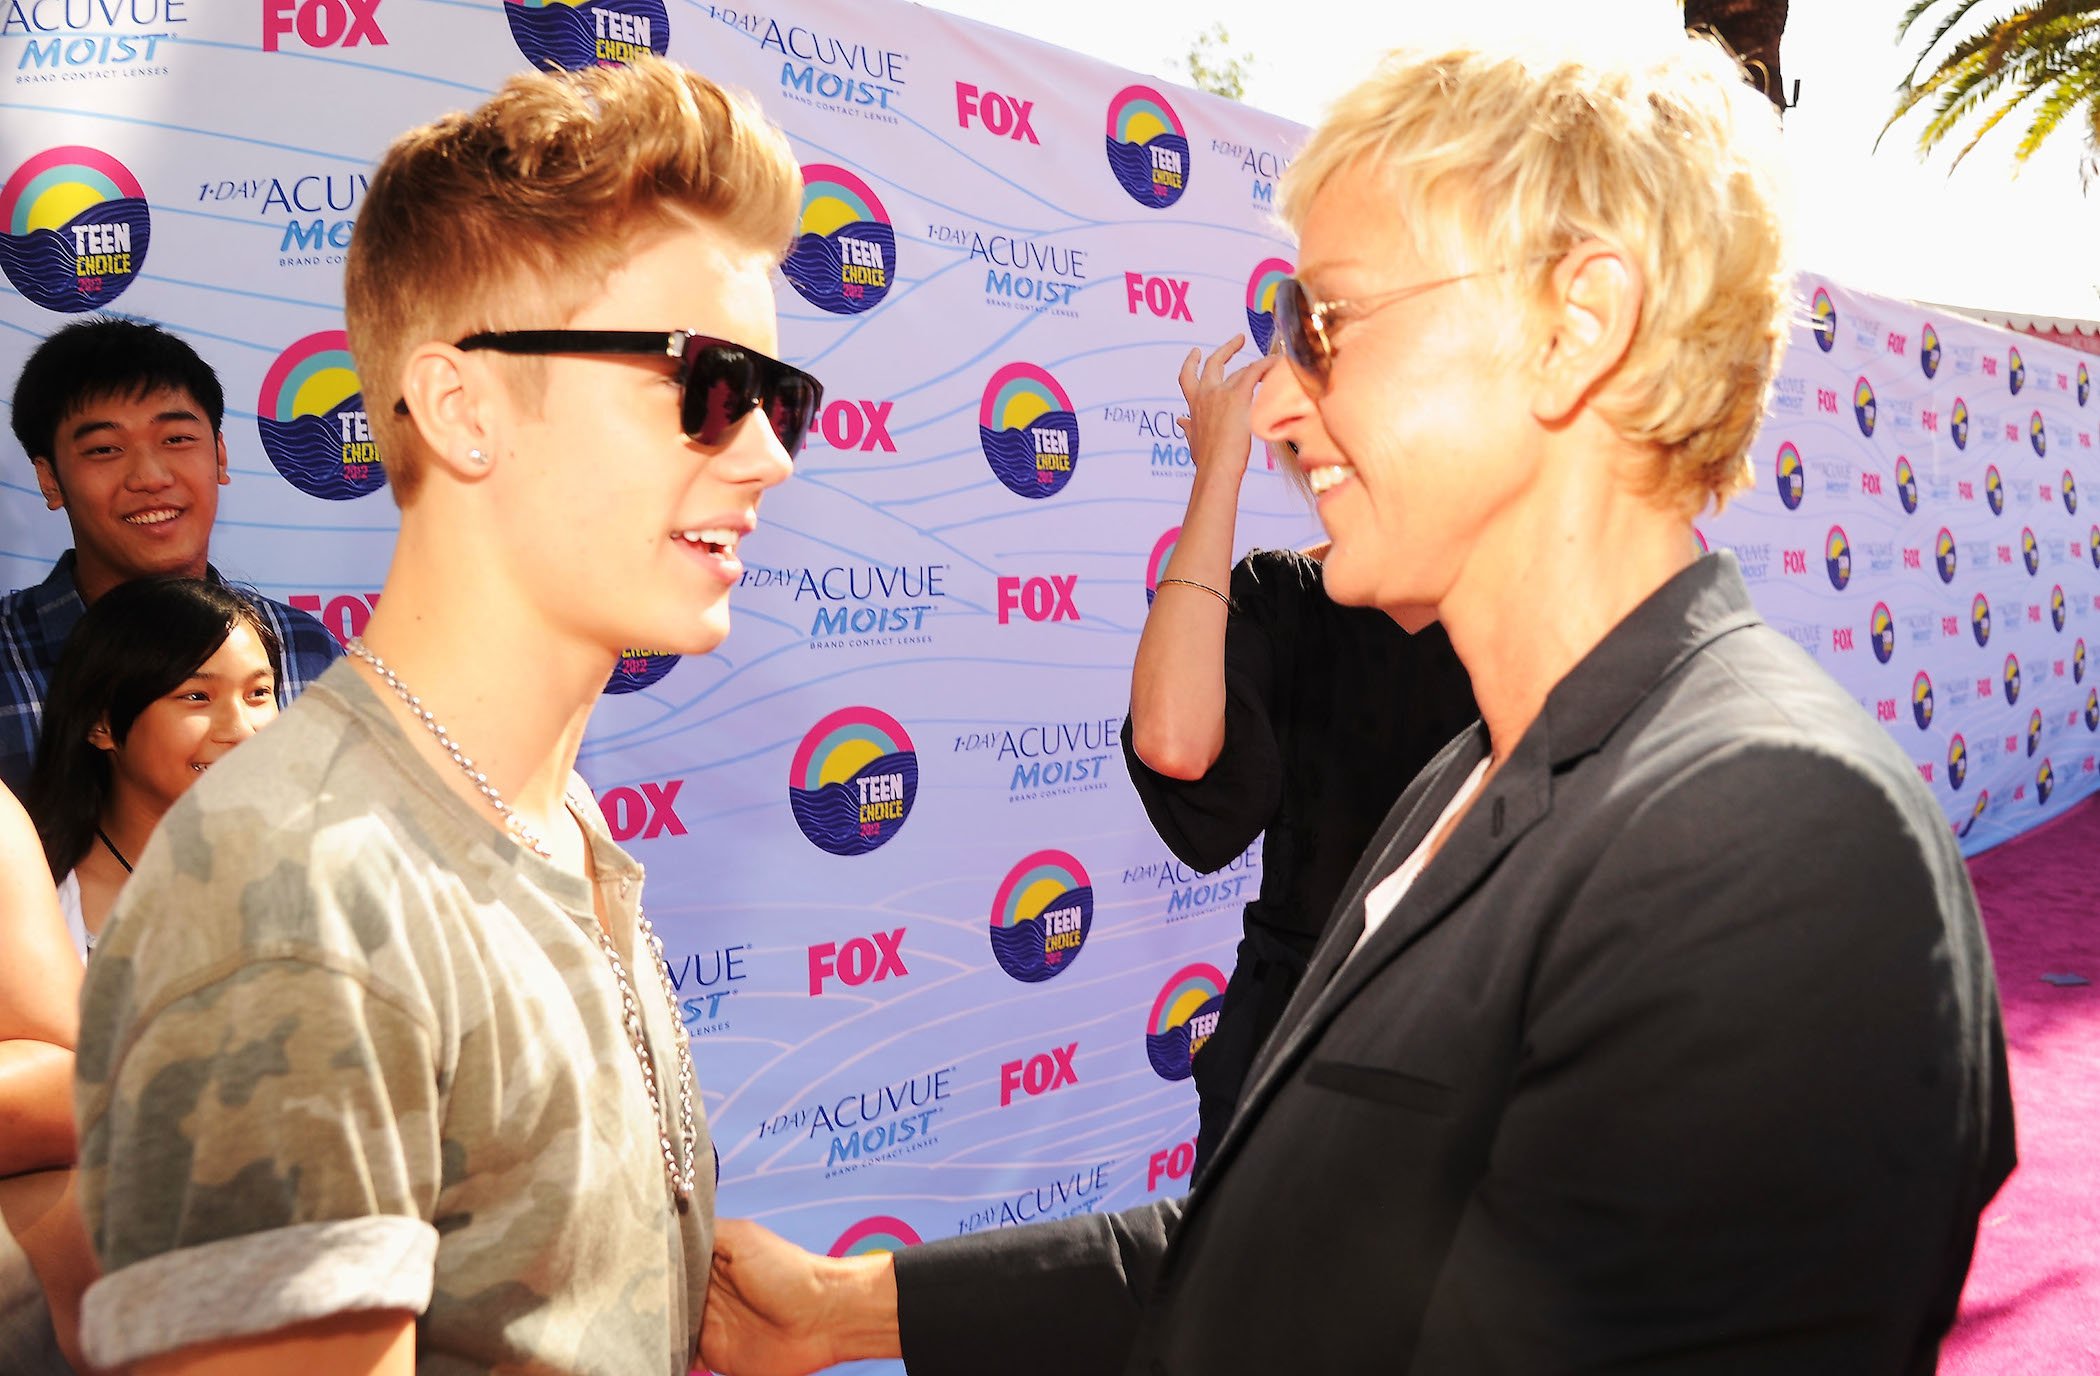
x=1656 y=1030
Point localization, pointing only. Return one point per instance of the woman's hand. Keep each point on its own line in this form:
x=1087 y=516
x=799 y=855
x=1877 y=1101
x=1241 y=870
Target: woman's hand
x=1220 y=435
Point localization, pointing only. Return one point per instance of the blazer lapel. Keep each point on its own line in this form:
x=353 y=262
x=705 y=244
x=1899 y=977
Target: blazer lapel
x=1702 y=603
x=1403 y=830
x=1511 y=804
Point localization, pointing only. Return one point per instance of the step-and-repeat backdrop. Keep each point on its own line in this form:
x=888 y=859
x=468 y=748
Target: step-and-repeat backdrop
x=939 y=973
x=1917 y=527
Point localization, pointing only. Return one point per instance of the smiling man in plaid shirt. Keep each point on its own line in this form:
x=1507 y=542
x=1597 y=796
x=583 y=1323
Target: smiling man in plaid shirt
x=121 y=423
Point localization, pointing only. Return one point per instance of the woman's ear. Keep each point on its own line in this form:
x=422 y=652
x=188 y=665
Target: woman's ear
x=1594 y=307
x=99 y=736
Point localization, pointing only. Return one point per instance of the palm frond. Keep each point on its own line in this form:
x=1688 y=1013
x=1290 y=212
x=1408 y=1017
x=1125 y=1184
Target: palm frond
x=2045 y=49
x=1992 y=120
x=2089 y=165
x=2064 y=99
x=1947 y=26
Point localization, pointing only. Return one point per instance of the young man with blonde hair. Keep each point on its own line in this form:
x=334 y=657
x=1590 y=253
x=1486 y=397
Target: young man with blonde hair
x=1655 y=1031
x=380 y=1070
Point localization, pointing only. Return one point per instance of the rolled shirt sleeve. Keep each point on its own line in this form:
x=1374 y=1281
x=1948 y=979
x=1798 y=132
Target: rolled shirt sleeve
x=262 y=1150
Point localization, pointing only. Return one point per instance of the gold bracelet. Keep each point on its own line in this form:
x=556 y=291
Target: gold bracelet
x=1190 y=582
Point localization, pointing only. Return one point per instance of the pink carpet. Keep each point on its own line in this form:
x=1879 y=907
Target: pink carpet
x=2032 y=1305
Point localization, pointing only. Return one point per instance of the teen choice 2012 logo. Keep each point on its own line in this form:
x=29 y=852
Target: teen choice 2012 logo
x=1148 y=150
x=73 y=229
x=1041 y=916
x=576 y=34
x=311 y=416
x=1787 y=470
x=853 y=781
x=1029 y=431
x=1837 y=557
x=1183 y=1017
x=1824 y=320
x=1261 y=300
x=845 y=254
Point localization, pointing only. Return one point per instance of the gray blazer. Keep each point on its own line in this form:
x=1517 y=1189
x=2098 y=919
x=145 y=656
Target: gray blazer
x=1683 y=1055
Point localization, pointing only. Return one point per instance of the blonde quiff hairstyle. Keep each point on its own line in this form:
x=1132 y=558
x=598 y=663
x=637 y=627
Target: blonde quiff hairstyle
x=511 y=215
x=1499 y=160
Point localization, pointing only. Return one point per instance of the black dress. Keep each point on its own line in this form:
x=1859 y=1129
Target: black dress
x=1330 y=712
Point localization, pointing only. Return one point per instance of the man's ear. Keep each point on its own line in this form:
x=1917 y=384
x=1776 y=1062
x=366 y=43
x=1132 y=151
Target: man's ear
x=448 y=403
x=1592 y=307
x=225 y=475
x=47 y=483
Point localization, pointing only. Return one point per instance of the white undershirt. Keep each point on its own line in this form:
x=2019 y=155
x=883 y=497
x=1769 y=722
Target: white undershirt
x=1381 y=900
x=76 y=922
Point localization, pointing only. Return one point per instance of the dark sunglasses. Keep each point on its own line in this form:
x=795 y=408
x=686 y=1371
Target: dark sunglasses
x=722 y=381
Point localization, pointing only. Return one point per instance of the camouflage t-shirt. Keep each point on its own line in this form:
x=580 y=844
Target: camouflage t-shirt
x=346 y=1046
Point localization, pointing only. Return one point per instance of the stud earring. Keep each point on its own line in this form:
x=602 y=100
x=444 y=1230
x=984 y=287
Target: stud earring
x=475 y=456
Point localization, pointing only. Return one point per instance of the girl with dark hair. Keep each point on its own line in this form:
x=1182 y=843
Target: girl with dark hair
x=159 y=680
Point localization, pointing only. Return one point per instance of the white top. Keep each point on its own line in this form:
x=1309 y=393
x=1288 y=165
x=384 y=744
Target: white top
x=1380 y=901
x=76 y=921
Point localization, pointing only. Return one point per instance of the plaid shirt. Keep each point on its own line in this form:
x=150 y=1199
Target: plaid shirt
x=34 y=624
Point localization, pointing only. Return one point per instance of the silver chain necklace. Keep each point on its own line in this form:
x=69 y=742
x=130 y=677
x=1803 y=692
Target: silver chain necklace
x=678 y=1165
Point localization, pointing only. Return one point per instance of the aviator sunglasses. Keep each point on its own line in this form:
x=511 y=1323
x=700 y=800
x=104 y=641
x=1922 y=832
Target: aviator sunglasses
x=1307 y=327
x=721 y=382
